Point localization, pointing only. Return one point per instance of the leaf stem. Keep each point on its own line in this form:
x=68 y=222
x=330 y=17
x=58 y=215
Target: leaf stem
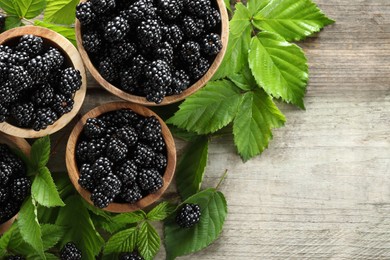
x=27 y=21
x=222 y=179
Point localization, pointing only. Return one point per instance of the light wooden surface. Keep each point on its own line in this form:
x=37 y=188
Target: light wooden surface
x=322 y=189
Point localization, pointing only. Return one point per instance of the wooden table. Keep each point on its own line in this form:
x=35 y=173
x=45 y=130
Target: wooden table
x=322 y=189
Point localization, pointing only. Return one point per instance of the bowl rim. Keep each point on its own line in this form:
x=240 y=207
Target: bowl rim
x=169 y=99
x=73 y=56
x=73 y=170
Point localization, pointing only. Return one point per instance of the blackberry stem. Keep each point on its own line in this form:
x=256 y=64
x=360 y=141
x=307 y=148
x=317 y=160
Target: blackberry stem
x=222 y=179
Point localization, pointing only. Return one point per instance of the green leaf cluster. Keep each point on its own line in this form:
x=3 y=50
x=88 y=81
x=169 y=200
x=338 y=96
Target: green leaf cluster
x=261 y=65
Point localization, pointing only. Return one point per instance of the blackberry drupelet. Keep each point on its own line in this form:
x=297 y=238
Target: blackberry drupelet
x=92 y=41
x=43 y=118
x=173 y=35
x=85 y=13
x=30 y=44
x=43 y=95
x=170 y=9
x=20 y=188
x=87 y=180
x=116 y=29
x=190 y=52
x=2 y=22
x=127 y=172
x=192 y=27
x=199 y=68
x=150 y=180
x=160 y=161
x=130 y=256
x=128 y=135
x=164 y=52
x=212 y=19
x=103 y=6
x=212 y=44
x=143 y=155
x=102 y=168
x=188 y=216
x=5 y=173
x=62 y=104
x=117 y=150
x=95 y=128
x=15 y=257
x=199 y=8
x=24 y=114
x=149 y=128
x=122 y=51
x=158 y=74
x=107 y=70
x=149 y=33
x=70 y=252
x=70 y=81
x=180 y=82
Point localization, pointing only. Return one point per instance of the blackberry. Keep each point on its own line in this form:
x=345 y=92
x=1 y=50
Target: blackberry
x=39 y=68
x=85 y=13
x=198 y=7
x=105 y=193
x=19 y=78
x=17 y=165
x=143 y=155
x=180 y=82
x=173 y=35
x=122 y=51
x=92 y=41
x=155 y=94
x=62 y=104
x=43 y=118
x=87 y=180
x=70 y=81
x=130 y=256
x=20 y=188
x=212 y=19
x=102 y=168
x=116 y=29
x=131 y=193
x=2 y=22
x=3 y=71
x=8 y=94
x=150 y=180
x=54 y=58
x=100 y=200
x=8 y=210
x=149 y=33
x=117 y=150
x=157 y=145
x=140 y=10
x=128 y=135
x=95 y=128
x=129 y=80
x=24 y=114
x=103 y=6
x=82 y=151
x=127 y=172
x=164 y=52
x=188 y=216
x=192 y=27
x=149 y=128
x=158 y=74
x=160 y=161
x=5 y=173
x=30 y=44
x=43 y=96
x=15 y=257
x=107 y=70
x=212 y=44
x=170 y=9
x=199 y=68
x=4 y=113
x=190 y=52
x=121 y=118
x=70 y=252
x=18 y=58
x=4 y=194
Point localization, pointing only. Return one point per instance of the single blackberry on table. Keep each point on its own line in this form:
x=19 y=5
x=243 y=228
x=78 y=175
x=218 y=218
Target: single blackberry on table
x=140 y=10
x=43 y=118
x=158 y=74
x=15 y=257
x=70 y=252
x=8 y=94
x=192 y=27
x=117 y=150
x=107 y=70
x=5 y=173
x=149 y=128
x=150 y=180
x=130 y=256
x=4 y=112
x=212 y=44
x=128 y=135
x=143 y=155
x=199 y=68
x=102 y=168
x=160 y=161
x=70 y=81
x=173 y=35
x=127 y=172
x=30 y=44
x=20 y=78
x=85 y=13
x=188 y=216
x=149 y=33
x=103 y=6
x=122 y=51
x=24 y=114
x=198 y=7
x=20 y=188
x=116 y=29
x=4 y=194
x=43 y=95
x=2 y=22
x=95 y=128
x=164 y=52
x=212 y=19
x=190 y=52
x=131 y=193
x=92 y=41
x=8 y=210
x=170 y=9
x=62 y=104
x=86 y=180
x=180 y=82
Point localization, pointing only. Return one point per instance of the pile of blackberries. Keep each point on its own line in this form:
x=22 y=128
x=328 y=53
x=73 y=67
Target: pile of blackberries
x=70 y=252
x=121 y=157
x=151 y=48
x=188 y=216
x=14 y=184
x=36 y=85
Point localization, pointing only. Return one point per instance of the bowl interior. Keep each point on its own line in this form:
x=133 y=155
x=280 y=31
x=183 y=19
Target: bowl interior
x=74 y=173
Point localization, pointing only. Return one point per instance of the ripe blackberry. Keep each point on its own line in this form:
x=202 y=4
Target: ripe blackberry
x=54 y=58
x=116 y=29
x=107 y=70
x=188 y=216
x=87 y=180
x=70 y=252
x=92 y=41
x=170 y=9
x=192 y=27
x=158 y=74
x=149 y=33
x=149 y=128
x=62 y=104
x=95 y=128
x=173 y=35
x=128 y=135
x=130 y=256
x=199 y=68
x=15 y=257
x=2 y=22
x=164 y=52
x=180 y=82
x=199 y=8
x=212 y=44
x=24 y=114
x=39 y=68
x=4 y=112
x=150 y=180
x=85 y=13
x=3 y=71
x=96 y=149
x=157 y=145
x=143 y=155
x=105 y=193
x=5 y=173
x=122 y=51
x=43 y=95
x=140 y=10
x=20 y=188
x=103 y=6
x=117 y=150
x=19 y=78
x=82 y=152
x=121 y=118
x=155 y=94
x=4 y=194
x=127 y=172
x=160 y=161
x=131 y=193
x=8 y=94
x=17 y=165
x=190 y=52
x=43 y=118
x=8 y=210
x=212 y=19
x=100 y=200
x=18 y=58
x=70 y=81
x=129 y=80
x=102 y=168
x=30 y=44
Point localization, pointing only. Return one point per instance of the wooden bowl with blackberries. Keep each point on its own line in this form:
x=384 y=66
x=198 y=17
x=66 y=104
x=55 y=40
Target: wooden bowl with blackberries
x=121 y=157
x=152 y=52
x=42 y=79
x=15 y=185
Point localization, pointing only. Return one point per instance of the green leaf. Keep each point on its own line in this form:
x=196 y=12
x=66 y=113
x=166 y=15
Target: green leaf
x=292 y=19
x=227 y=3
x=44 y=190
x=29 y=226
x=182 y=241
x=12 y=22
x=68 y=32
x=5 y=240
x=40 y=152
x=129 y=218
x=252 y=127
x=51 y=235
x=183 y=134
x=244 y=80
x=123 y=241
x=49 y=256
x=148 y=242
x=279 y=67
x=191 y=168
x=81 y=230
x=161 y=211
x=60 y=11
x=241 y=20
x=29 y=8
x=254 y=6
x=8 y=6
x=209 y=109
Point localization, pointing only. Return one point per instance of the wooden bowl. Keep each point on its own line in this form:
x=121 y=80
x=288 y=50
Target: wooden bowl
x=169 y=99
x=22 y=145
x=71 y=56
x=73 y=170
